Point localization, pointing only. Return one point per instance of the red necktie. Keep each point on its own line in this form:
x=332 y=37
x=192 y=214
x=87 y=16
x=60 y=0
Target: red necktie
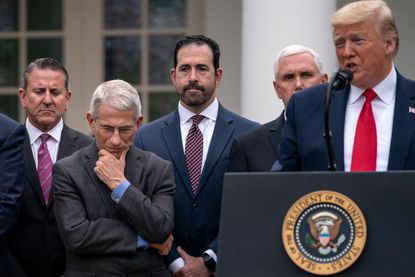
x=194 y=152
x=44 y=167
x=365 y=143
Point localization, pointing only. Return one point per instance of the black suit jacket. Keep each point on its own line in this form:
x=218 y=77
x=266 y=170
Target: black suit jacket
x=11 y=179
x=34 y=241
x=257 y=150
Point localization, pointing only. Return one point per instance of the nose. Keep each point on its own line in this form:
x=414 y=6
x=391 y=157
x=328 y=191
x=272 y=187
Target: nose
x=47 y=100
x=115 y=137
x=348 y=50
x=298 y=83
x=193 y=74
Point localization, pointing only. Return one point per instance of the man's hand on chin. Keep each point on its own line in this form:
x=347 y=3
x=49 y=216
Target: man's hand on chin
x=110 y=169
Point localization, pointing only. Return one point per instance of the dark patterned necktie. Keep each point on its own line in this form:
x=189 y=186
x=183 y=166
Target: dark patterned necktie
x=44 y=167
x=194 y=152
x=365 y=141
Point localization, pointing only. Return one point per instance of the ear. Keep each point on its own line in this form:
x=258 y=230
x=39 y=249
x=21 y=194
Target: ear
x=139 y=121
x=324 y=78
x=68 y=99
x=276 y=88
x=90 y=120
x=218 y=74
x=390 y=46
x=22 y=97
x=173 y=76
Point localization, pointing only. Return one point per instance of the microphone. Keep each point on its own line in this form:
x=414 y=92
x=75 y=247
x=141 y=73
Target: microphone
x=341 y=78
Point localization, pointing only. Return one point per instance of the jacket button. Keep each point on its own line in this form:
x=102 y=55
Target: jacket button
x=194 y=206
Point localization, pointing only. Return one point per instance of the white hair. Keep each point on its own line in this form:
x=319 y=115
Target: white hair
x=295 y=49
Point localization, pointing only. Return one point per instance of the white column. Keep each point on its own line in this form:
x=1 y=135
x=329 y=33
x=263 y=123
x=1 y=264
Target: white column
x=267 y=27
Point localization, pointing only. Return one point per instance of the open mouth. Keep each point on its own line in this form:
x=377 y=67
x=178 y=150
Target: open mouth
x=351 y=66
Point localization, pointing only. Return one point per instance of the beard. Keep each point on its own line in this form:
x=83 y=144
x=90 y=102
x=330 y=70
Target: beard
x=196 y=98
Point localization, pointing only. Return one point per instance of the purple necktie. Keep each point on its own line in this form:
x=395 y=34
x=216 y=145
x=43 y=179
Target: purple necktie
x=194 y=152
x=44 y=167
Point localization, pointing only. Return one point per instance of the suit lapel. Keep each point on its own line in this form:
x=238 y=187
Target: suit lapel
x=173 y=140
x=275 y=132
x=337 y=114
x=134 y=169
x=68 y=143
x=31 y=171
x=403 y=124
x=220 y=139
x=91 y=153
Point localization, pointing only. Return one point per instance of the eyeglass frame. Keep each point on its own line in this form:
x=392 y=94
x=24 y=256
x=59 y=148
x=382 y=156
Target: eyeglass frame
x=109 y=130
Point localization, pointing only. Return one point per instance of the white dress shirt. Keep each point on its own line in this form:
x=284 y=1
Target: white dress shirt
x=383 y=111
x=53 y=142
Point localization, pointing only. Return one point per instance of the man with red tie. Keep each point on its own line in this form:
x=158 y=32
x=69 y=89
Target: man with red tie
x=372 y=121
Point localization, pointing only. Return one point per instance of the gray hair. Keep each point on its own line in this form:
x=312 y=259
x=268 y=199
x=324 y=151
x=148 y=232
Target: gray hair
x=362 y=10
x=295 y=49
x=117 y=94
x=44 y=64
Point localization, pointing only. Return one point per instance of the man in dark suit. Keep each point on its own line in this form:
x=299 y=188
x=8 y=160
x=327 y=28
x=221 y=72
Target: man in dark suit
x=197 y=139
x=366 y=41
x=34 y=241
x=11 y=179
x=111 y=196
x=296 y=67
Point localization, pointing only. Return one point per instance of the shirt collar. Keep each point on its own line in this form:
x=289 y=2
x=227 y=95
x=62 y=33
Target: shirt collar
x=210 y=112
x=385 y=89
x=34 y=133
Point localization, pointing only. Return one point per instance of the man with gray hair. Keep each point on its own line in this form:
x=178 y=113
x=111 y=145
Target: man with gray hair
x=296 y=67
x=111 y=198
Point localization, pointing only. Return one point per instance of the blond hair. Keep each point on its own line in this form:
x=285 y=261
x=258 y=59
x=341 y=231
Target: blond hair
x=362 y=10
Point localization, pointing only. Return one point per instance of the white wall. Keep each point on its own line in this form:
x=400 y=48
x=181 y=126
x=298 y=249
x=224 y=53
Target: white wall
x=268 y=26
x=223 y=23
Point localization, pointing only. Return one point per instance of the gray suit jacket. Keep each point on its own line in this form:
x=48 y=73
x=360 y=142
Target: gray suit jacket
x=100 y=236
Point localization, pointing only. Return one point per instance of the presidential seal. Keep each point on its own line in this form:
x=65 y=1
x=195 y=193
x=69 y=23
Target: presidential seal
x=324 y=232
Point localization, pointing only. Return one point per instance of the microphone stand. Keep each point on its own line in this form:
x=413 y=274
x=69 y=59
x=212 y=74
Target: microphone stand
x=327 y=132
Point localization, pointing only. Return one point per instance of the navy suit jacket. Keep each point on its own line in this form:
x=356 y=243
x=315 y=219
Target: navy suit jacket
x=257 y=150
x=12 y=174
x=35 y=241
x=196 y=217
x=303 y=146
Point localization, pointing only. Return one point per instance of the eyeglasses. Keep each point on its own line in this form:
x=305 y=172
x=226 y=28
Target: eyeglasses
x=108 y=131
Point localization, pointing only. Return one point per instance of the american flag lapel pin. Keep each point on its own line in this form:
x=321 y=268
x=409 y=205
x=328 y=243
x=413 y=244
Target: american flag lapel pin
x=411 y=110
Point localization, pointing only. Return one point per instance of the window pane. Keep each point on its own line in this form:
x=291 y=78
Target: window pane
x=162 y=104
x=123 y=58
x=161 y=58
x=9 y=62
x=44 y=14
x=122 y=14
x=9 y=105
x=167 y=14
x=9 y=15
x=44 y=47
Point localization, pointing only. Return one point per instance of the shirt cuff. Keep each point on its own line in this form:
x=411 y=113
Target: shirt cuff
x=212 y=254
x=176 y=265
x=142 y=243
x=118 y=193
